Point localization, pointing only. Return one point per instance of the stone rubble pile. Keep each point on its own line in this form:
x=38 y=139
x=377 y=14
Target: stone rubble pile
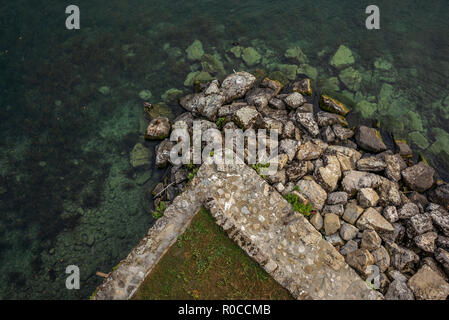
x=374 y=204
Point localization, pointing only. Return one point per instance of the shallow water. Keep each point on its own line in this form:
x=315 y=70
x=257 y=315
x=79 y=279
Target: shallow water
x=68 y=194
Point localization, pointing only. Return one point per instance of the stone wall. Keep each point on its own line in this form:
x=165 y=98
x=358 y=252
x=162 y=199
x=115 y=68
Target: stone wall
x=261 y=222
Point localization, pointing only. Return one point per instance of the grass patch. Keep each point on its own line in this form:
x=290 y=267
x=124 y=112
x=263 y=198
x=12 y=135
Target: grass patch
x=205 y=264
x=305 y=209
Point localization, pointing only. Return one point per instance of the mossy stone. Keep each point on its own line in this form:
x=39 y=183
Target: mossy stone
x=342 y=58
x=145 y=94
x=160 y=110
x=279 y=76
x=382 y=64
x=251 y=56
x=331 y=84
x=351 y=78
x=171 y=96
x=212 y=64
x=195 y=51
x=104 y=90
x=419 y=140
x=309 y=71
x=190 y=79
x=366 y=109
x=289 y=70
x=236 y=51
x=297 y=54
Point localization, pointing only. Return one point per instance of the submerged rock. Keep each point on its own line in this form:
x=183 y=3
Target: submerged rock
x=251 y=56
x=332 y=105
x=195 y=51
x=419 y=177
x=140 y=156
x=369 y=139
x=342 y=58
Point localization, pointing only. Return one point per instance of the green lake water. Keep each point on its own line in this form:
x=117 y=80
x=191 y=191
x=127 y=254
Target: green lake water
x=71 y=111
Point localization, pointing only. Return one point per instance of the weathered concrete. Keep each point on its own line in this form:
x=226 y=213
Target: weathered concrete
x=260 y=221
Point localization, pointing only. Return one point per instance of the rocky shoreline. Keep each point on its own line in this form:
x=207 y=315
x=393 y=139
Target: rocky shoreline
x=375 y=205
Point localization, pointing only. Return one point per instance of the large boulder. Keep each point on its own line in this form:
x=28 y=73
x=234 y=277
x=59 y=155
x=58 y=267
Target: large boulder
x=369 y=139
x=360 y=259
x=312 y=190
x=426 y=284
x=418 y=177
x=307 y=121
x=372 y=219
x=328 y=176
x=334 y=106
x=236 y=85
x=248 y=117
x=311 y=150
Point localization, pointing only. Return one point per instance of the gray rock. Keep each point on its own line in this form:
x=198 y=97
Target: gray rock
x=391 y=214
x=399 y=290
x=441 y=221
x=393 y=167
x=296 y=170
x=306 y=107
x=289 y=147
x=335 y=240
x=369 y=139
x=440 y=195
x=426 y=241
x=442 y=256
x=332 y=105
x=402 y=259
x=352 y=212
x=279 y=177
x=396 y=275
x=307 y=121
x=248 y=117
x=356 y=180
x=327 y=134
x=433 y=264
x=349 y=246
x=426 y=284
x=360 y=259
x=163 y=153
x=338 y=209
x=408 y=210
x=348 y=231
x=372 y=219
x=373 y=164
x=295 y=100
x=389 y=194
x=331 y=224
x=403 y=149
x=396 y=236
x=290 y=131
x=418 y=177
x=382 y=258
x=420 y=223
x=370 y=240
x=312 y=190
x=443 y=242
x=341 y=132
x=158 y=129
x=317 y=221
x=326 y=119
x=367 y=197
x=236 y=85
x=328 y=176
x=311 y=150
x=277 y=104
x=339 y=197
